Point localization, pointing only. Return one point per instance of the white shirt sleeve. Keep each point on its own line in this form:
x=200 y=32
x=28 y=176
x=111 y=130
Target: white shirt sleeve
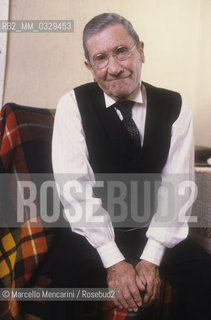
x=70 y=163
x=179 y=168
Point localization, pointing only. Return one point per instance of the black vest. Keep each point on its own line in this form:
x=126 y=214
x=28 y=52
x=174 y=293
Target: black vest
x=110 y=147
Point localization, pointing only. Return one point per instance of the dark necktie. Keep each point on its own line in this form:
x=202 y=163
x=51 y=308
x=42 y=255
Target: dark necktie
x=125 y=107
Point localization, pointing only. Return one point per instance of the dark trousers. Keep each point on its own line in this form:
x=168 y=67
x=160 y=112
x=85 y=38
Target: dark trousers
x=74 y=263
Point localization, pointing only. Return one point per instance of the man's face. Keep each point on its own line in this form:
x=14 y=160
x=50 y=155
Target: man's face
x=119 y=78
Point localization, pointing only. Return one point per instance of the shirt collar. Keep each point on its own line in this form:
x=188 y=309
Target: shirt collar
x=136 y=96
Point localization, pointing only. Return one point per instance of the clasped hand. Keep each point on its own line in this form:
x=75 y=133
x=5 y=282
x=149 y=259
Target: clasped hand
x=139 y=286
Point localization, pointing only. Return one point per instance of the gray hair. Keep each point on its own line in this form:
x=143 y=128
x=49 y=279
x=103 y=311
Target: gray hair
x=102 y=21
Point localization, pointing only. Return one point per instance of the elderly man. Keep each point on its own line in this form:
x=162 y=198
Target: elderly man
x=119 y=124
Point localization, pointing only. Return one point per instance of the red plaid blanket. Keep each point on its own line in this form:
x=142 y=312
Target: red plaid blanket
x=25 y=148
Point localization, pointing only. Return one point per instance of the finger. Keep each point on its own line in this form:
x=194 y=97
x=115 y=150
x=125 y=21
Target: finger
x=140 y=283
x=136 y=295
x=122 y=303
x=154 y=295
x=158 y=289
x=118 y=304
x=127 y=294
x=142 y=278
x=149 y=292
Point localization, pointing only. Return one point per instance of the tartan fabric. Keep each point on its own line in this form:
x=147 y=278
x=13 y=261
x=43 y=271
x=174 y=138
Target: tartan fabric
x=25 y=132
x=25 y=147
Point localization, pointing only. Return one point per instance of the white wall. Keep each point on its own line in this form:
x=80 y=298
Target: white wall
x=202 y=97
x=41 y=67
x=4 y=12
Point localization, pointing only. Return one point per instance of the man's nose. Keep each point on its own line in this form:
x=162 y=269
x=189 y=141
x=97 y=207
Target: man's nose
x=114 y=65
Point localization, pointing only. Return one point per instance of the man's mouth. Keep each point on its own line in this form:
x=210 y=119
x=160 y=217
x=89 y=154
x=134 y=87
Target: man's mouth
x=119 y=79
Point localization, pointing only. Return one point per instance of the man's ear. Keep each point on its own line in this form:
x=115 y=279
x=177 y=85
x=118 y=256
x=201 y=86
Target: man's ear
x=87 y=64
x=89 y=67
x=142 y=51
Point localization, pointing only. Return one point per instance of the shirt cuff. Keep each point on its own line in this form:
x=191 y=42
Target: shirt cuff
x=110 y=254
x=153 y=252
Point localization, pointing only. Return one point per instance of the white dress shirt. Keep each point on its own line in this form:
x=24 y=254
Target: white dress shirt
x=70 y=155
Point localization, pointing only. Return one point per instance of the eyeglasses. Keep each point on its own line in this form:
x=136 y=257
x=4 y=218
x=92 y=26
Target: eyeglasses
x=121 y=53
